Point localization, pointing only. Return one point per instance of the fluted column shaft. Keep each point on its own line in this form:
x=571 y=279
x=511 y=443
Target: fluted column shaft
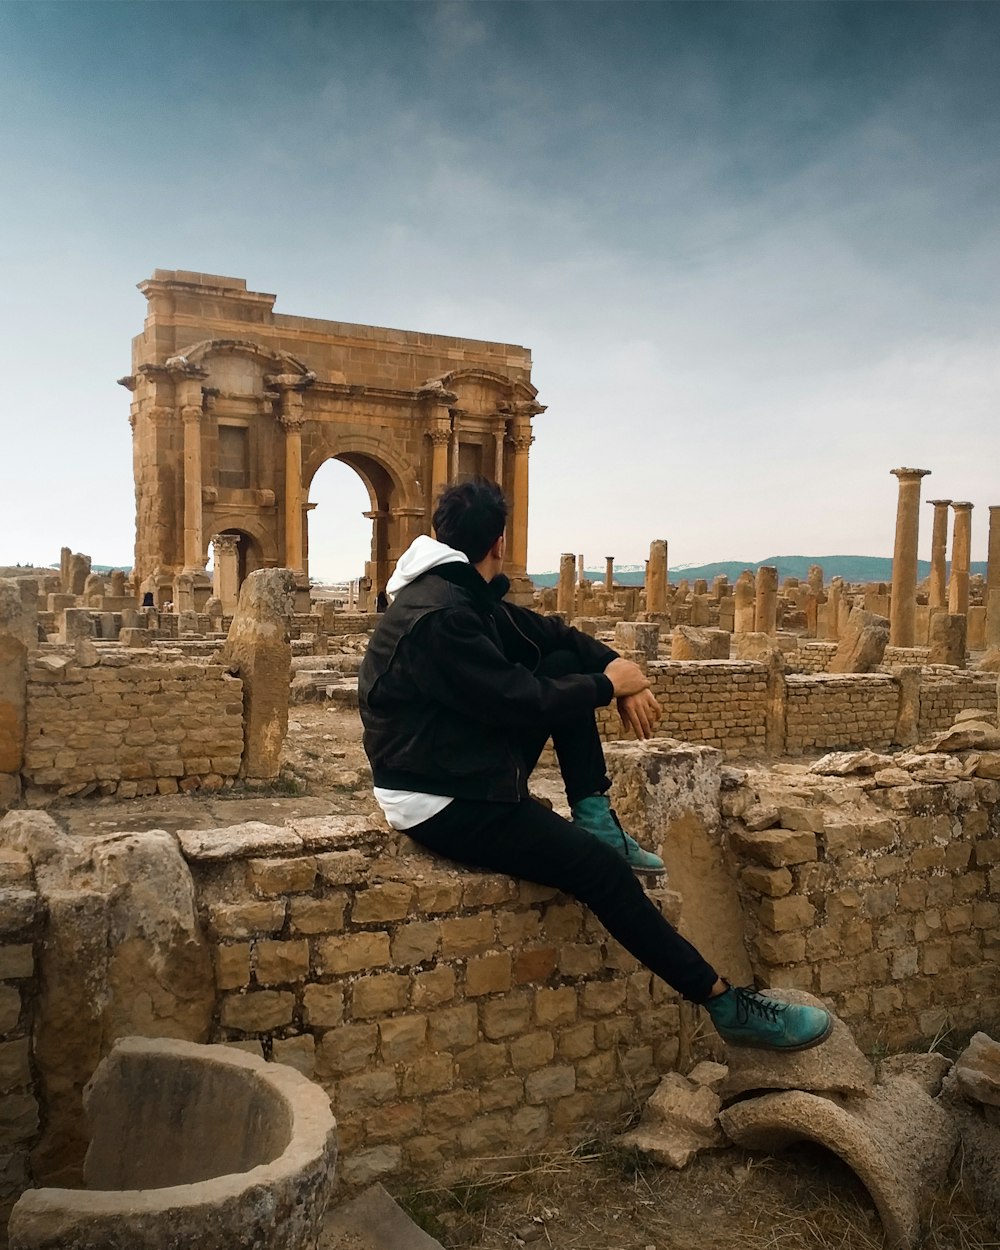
x=609 y=573
x=903 y=605
x=194 y=558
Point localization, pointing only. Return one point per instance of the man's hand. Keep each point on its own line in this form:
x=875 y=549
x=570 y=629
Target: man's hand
x=626 y=678
x=639 y=712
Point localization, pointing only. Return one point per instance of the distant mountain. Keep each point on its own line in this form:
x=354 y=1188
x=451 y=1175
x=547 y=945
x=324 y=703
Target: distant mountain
x=850 y=568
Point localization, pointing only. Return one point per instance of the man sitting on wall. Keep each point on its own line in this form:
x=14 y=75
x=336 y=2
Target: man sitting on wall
x=459 y=693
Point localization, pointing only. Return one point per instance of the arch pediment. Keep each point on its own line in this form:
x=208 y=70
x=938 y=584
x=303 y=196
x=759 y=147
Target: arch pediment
x=272 y=361
x=508 y=388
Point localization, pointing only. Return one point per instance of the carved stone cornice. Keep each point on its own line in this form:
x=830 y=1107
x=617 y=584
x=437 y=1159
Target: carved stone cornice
x=521 y=408
x=290 y=381
x=434 y=391
x=129 y=382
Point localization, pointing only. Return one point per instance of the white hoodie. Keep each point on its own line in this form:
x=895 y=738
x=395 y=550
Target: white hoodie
x=406 y=808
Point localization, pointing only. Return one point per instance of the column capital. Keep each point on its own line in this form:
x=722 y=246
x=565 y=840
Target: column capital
x=440 y=438
x=226 y=542
x=909 y=475
x=940 y=503
x=191 y=413
x=521 y=441
x=962 y=505
x=292 y=422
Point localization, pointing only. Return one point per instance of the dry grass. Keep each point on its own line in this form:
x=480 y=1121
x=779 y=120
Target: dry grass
x=600 y=1197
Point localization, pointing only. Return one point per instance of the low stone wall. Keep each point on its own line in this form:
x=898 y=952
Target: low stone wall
x=945 y=691
x=19 y=1115
x=451 y=1015
x=882 y=901
x=134 y=727
x=811 y=657
x=711 y=702
x=826 y=711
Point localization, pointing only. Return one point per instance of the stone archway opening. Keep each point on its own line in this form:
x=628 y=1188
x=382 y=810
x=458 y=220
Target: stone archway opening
x=339 y=534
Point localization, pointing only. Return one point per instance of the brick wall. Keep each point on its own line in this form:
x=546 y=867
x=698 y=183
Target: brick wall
x=19 y=1116
x=811 y=657
x=713 y=702
x=945 y=691
x=133 y=728
x=451 y=1015
x=830 y=710
x=884 y=902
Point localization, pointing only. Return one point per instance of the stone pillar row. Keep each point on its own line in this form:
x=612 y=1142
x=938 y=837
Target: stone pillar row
x=961 y=556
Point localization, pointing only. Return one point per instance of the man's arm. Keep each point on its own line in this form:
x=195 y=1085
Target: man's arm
x=551 y=633
x=458 y=664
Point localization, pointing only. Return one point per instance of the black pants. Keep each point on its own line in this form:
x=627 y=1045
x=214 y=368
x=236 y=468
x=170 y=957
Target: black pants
x=527 y=840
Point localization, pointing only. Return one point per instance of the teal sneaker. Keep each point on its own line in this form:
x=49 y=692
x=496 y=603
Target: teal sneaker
x=596 y=815
x=743 y=1016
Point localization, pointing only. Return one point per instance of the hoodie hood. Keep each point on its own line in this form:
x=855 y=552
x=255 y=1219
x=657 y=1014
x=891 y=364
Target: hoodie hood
x=422 y=554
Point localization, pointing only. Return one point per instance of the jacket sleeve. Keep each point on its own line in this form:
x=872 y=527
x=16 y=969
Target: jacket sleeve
x=457 y=663
x=551 y=633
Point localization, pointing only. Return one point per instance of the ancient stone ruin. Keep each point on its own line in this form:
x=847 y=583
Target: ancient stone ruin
x=824 y=789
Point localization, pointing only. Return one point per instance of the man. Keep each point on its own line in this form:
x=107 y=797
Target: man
x=459 y=692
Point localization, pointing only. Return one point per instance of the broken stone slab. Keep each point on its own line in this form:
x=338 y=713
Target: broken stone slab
x=862 y=644
x=928 y=1069
x=844 y=763
x=974 y=714
x=977 y=1071
x=988 y=765
x=374 y=1221
x=710 y=1074
x=338 y=833
x=835 y=1066
x=978 y=735
x=760 y=816
x=237 y=841
x=774 y=848
x=887 y=777
x=990 y=662
x=679 y=1120
x=691 y=643
x=899 y=1141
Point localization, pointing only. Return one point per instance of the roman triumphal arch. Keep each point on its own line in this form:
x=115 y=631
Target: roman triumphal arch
x=236 y=407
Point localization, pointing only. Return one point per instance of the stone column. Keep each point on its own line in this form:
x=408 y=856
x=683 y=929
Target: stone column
x=993 y=580
x=938 y=596
x=517 y=537
x=743 y=597
x=579 y=571
x=194 y=558
x=453 y=454
x=833 y=609
x=656 y=576
x=292 y=419
x=903 y=604
x=566 y=601
x=440 y=440
x=609 y=573
x=766 y=607
x=961 y=554
x=226 y=570
x=499 y=437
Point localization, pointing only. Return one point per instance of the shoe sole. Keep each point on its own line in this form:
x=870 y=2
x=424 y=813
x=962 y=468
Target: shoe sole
x=788 y=1050
x=653 y=872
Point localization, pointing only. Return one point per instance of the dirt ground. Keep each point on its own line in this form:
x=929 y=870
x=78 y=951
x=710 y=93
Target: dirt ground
x=596 y=1197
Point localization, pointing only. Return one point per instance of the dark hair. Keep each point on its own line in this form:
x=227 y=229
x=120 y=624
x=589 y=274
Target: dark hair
x=470 y=516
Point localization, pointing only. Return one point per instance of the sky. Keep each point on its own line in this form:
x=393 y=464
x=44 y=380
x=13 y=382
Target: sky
x=753 y=247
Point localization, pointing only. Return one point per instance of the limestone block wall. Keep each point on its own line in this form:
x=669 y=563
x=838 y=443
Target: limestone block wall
x=132 y=727
x=811 y=657
x=451 y=1015
x=884 y=902
x=830 y=710
x=945 y=691
x=711 y=702
x=19 y=1115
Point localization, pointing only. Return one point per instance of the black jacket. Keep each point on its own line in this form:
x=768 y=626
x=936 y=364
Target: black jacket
x=447 y=685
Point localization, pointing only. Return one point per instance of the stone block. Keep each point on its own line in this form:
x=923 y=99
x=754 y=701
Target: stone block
x=466 y=935
x=297 y=1052
x=271 y=878
x=547 y=1084
x=433 y=987
x=374 y=995
x=16 y=962
x=241 y=920
x=781 y=914
x=232 y=966
x=346 y=1049
x=322 y=1006
x=402 y=1040
x=433 y=1074
x=312 y=916
x=506 y=1017
x=257 y=1011
x=532 y=1050
x=490 y=974
x=279 y=963
x=777 y=848
x=453 y=1028
x=15 y=1065
x=10 y=1008
x=415 y=942
x=380 y=903
x=355 y=952
x=555 y=1007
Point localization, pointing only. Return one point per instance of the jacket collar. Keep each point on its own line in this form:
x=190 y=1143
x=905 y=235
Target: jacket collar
x=485 y=595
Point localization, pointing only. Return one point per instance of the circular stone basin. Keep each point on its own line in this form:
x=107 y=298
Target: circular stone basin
x=191 y=1145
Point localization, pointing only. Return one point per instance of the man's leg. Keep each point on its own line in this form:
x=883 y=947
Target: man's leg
x=580 y=754
x=526 y=840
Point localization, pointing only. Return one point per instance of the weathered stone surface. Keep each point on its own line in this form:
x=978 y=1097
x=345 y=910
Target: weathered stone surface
x=244 y=841
x=862 y=643
x=977 y=1071
x=835 y=1066
x=990 y=662
x=679 y=1120
x=947 y=639
x=899 y=1141
x=165 y=1169
x=975 y=735
x=755 y=646
x=259 y=647
x=14 y=648
x=760 y=816
x=374 y=1221
x=928 y=1069
x=844 y=763
x=690 y=643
